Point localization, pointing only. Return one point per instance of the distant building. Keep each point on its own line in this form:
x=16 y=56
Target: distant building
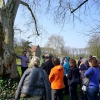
x=35 y=50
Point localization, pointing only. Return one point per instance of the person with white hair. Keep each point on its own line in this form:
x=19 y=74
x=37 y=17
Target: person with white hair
x=82 y=68
x=34 y=83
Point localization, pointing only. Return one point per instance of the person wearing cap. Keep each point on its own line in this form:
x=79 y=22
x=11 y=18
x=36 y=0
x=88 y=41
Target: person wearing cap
x=34 y=83
x=47 y=65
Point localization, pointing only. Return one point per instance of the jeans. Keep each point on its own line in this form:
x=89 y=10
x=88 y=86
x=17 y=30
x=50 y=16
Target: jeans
x=92 y=93
x=57 y=94
x=73 y=92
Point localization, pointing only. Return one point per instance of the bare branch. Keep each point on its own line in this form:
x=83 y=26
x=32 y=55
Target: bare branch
x=36 y=27
x=79 y=6
x=49 y=4
x=18 y=30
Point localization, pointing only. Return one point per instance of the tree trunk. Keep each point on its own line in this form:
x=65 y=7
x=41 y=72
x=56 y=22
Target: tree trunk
x=7 y=17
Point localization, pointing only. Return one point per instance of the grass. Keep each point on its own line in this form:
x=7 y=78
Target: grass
x=19 y=67
x=67 y=97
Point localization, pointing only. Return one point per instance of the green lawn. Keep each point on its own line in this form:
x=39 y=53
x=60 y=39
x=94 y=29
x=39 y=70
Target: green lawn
x=19 y=67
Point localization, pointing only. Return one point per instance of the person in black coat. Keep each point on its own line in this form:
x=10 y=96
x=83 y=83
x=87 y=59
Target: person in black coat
x=73 y=79
x=47 y=65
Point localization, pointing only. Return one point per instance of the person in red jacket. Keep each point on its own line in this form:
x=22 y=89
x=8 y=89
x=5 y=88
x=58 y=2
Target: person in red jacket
x=56 y=80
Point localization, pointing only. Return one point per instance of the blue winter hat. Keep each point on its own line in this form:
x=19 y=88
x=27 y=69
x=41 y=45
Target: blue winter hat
x=67 y=58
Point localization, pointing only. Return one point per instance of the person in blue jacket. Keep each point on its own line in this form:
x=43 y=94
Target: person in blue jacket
x=66 y=67
x=93 y=87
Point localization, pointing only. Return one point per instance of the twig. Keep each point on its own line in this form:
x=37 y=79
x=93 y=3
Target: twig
x=25 y=4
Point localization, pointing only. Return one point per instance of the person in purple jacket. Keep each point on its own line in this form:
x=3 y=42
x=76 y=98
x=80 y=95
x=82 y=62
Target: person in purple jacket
x=93 y=87
x=24 y=61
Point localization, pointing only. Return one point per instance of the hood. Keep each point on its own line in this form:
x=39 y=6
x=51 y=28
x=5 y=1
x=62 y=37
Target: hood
x=59 y=67
x=68 y=58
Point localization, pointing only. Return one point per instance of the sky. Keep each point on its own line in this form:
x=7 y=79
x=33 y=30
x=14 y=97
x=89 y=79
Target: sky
x=72 y=33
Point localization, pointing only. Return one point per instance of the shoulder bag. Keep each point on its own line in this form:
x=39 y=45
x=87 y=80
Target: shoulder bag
x=86 y=81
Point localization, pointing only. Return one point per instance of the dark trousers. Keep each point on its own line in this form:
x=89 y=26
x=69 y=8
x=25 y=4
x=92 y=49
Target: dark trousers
x=23 y=69
x=57 y=94
x=66 y=89
x=73 y=92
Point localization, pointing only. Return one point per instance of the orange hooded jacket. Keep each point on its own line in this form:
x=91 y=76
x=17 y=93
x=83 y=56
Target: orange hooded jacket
x=56 y=77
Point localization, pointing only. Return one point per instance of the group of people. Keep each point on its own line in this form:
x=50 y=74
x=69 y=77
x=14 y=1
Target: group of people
x=54 y=78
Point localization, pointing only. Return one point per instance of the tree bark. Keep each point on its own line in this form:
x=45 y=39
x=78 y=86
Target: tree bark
x=7 y=17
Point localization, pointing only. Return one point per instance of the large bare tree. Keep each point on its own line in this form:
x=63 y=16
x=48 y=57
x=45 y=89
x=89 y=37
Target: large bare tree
x=63 y=9
x=8 y=13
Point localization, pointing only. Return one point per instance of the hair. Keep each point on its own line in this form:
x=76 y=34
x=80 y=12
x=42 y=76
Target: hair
x=35 y=61
x=55 y=61
x=63 y=58
x=80 y=58
x=84 y=60
x=24 y=51
x=43 y=57
x=94 y=62
x=47 y=56
x=72 y=63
